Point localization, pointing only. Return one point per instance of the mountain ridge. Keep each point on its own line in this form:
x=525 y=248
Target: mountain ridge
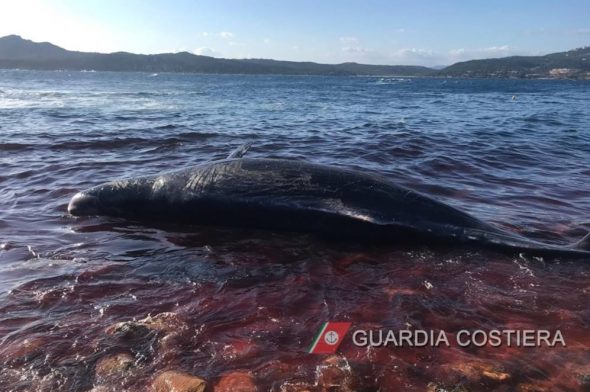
x=17 y=52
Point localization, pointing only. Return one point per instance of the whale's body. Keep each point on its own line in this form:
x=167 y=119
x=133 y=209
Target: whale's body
x=298 y=196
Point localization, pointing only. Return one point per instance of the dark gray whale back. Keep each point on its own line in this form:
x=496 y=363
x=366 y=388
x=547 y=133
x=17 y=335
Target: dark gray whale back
x=297 y=196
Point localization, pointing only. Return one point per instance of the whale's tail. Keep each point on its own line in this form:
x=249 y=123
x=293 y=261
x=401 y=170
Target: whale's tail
x=583 y=244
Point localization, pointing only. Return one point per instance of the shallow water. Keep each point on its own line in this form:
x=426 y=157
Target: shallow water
x=253 y=300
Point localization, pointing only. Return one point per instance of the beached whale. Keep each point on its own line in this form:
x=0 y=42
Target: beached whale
x=299 y=196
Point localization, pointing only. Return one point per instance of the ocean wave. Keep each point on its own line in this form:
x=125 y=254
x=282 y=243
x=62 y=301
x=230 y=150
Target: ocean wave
x=14 y=146
x=519 y=164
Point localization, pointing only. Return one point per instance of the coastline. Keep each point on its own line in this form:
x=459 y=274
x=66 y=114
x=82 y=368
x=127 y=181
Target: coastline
x=19 y=53
x=452 y=77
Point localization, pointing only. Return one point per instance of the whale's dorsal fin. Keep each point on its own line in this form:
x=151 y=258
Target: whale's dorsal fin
x=240 y=151
x=584 y=243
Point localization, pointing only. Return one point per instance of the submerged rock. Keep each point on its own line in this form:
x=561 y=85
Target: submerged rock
x=529 y=387
x=437 y=387
x=290 y=386
x=274 y=369
x=129 y=330
x=582 y=375
x=100 y=388
x=334 y=373
x=165 y=323
x=495 y=375
x=236 y=382
x=114 y=365
x=477 y=371
x=24 y=349
x=175 y=381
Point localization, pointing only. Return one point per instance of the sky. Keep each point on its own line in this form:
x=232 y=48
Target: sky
x=421 y=32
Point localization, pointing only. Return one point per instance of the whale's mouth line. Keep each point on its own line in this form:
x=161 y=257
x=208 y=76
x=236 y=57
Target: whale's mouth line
x=83 y=204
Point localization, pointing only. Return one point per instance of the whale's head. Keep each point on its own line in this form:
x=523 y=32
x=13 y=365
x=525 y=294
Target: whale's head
x=84 y=203
x=116 y=198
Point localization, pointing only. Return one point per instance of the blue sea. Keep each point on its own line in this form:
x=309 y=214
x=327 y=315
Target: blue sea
x=514 y=153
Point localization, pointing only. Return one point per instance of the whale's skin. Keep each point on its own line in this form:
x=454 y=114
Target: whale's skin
x=297 y=196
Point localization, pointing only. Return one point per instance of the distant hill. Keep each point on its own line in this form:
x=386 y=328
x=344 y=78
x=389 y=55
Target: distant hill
x=571 y=64
x=16 y=52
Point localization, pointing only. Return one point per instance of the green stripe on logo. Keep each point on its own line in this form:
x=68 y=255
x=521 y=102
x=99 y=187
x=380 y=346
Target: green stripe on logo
x=317 y=338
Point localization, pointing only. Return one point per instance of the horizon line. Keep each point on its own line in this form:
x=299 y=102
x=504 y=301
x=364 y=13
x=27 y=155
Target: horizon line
x=435 y=67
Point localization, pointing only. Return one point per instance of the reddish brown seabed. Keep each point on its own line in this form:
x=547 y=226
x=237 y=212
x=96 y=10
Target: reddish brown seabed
x=226 y=301
x=235 y=307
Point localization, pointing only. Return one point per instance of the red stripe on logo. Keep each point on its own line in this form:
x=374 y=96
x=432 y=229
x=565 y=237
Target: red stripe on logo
x=329 y=337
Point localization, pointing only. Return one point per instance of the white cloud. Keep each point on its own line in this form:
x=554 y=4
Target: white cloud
x=207 y=52
x=457 y=52
x=352 y=45
x=538 y=31
x=463 y=54
x=417 y=56
x=221 y=34
x=415 y=53
x=497 y=49
x=352 y=49
x=349 y=41
x=583 y=31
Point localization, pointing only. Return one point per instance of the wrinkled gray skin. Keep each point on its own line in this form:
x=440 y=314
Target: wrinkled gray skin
x=299 y=196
